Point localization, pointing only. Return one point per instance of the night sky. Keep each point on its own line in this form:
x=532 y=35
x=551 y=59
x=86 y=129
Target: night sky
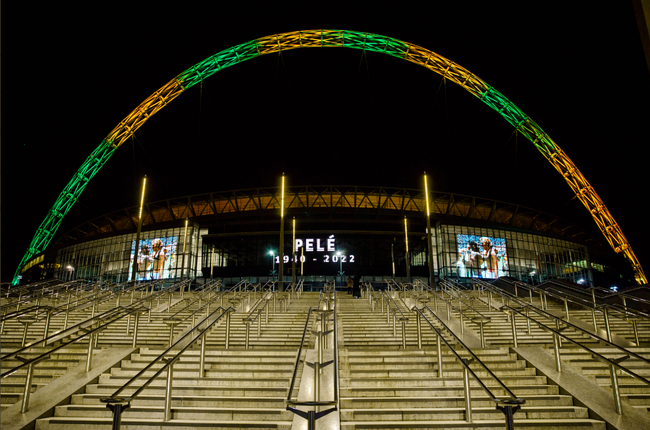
x=322 y=116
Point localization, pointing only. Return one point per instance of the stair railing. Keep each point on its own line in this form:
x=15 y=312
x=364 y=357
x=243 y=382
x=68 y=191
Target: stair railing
x=622 y=312
x=508 y=405
x=390 y=309
x=255 y=315
x=117 y=404
x=605 y=309
x=315 y=414
x=481 y=319
x=174 y=322
x=558 y=335
x=612 y=363
x=91 y=332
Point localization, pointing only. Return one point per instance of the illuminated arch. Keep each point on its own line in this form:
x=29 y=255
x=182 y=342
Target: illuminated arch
x=334 y=38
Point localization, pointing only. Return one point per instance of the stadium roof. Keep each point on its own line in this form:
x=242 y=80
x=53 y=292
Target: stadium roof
x=447 y=207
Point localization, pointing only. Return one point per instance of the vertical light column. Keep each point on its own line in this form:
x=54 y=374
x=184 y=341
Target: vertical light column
x=406 y=241
x=184 y=243
x=293 y=253
x=281 y=250
x=429 y=232
x=134 y=269
x=212 y=264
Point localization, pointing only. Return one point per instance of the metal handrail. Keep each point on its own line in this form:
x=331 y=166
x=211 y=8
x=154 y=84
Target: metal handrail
x=404 y=318
x=41 y=357
x=568 y=324
x=450 y=304
x=31 y=363
x=114 y=399
x=64 y=333
x=455 y=289
x=302 y=342
x=202 y=293
x=219 y=295
x=507 y=406
x=266 y=299
x=613 y=364
x=312 y=416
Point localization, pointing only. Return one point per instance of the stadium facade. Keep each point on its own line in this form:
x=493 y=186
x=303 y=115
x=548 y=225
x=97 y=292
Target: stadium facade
x=349 y=229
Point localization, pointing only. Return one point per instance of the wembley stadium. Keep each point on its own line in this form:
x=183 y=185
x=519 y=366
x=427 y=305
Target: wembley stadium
x=337 y=232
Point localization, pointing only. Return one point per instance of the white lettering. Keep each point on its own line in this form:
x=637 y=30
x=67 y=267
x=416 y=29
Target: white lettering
x=330 y=244
x=298 y=244
x=309 y=244
x=318 y=247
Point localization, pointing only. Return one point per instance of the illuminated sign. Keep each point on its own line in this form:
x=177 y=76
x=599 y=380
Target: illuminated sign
x=315 y=245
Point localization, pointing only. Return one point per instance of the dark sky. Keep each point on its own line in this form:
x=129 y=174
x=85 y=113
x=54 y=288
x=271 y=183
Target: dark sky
x=322 y=116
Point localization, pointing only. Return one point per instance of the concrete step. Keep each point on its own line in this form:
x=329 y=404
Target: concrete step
x=69 y=423
x=480 y=400
x=459 y=413
x=204 y=413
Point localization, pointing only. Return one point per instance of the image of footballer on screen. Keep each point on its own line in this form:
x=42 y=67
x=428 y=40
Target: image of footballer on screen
x=481 y=256
x=156 y=257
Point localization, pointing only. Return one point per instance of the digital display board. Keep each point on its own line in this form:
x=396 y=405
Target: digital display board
x=156 y=258
x=481 y=256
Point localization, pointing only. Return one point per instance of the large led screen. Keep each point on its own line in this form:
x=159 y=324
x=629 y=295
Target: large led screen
x=156 y=258
x=481 y=256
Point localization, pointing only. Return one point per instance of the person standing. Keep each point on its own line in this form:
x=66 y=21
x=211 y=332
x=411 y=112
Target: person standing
x=356 y=288
x=350 y=285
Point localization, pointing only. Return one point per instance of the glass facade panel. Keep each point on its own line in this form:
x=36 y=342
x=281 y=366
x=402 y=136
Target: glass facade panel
x=161 y=256
x=488 y=253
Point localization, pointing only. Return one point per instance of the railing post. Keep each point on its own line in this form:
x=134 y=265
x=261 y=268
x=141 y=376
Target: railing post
x=26 y=322
x=593 y=318
x=168 y=392
x=171 y=322
x=248 y=329
x=202 y=360
x=135 y=329
x=2 y=326
x=89 y=355
x=419 y=324
x=514 y=328
x=47 y=325
x=404 y=334
x=28 y=388
x=566 y=309
x=227 y=343
x=556 y=348
x=636 y=332
x=615 y=389
x=439 y=346
x=609 y=332
x=468 y=395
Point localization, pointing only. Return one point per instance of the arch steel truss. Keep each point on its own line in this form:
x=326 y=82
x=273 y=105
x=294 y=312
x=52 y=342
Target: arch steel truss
x=346 y=39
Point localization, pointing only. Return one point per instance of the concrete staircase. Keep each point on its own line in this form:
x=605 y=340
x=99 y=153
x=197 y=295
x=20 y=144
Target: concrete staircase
x=240 y=388
x=632 y=390
x=383 y=386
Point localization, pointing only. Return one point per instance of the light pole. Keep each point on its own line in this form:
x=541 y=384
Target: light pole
x=272 y=254
x=338 y=254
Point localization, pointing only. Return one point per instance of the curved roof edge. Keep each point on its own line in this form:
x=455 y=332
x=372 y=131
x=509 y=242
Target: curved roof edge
x=447 y=207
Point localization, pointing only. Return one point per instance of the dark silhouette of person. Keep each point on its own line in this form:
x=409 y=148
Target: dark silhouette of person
x=356 y=288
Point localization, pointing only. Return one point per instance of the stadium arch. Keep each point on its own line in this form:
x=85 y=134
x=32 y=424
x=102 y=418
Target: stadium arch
x=343 y=39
